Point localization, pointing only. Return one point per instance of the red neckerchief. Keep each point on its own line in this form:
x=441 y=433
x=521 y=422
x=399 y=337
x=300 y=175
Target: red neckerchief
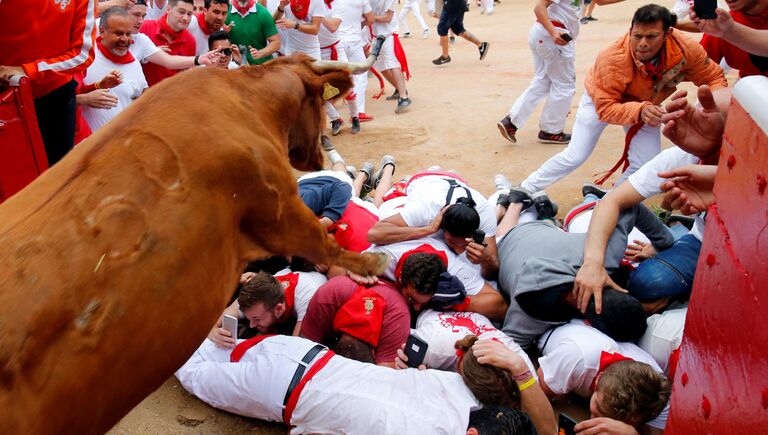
x=240 y=349
x=126 y=58
x=423 y=249
x=606 y=359
x=201 y=22
x=243 y=10
x=328 y=3
x=289 y=282
x=166 y=28
x=300 y=8
x=655 y=72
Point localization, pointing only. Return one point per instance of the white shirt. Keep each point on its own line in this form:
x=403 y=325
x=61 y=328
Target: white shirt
x=154 y=12
x=571 y=360
x=142 y=47
x=427 y=196
x=567 y=13
x=647 y=182
x=298 y=42
x=326 y=37
x=380 y=8
x=664 y=335
x=351 y=13
x=306 y=288
x=131 y=88
x=201 y=39
x=466 y=272
x=441 y=330
x=344 y=397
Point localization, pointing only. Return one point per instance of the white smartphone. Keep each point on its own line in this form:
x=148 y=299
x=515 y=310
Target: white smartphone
x=230 y=324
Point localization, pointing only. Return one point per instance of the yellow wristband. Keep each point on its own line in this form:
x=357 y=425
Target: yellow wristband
x=527 y=384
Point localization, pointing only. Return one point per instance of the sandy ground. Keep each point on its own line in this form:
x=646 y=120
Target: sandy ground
x=451 y=123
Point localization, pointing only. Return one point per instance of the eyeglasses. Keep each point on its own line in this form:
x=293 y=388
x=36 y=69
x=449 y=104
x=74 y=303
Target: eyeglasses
x=226 y=51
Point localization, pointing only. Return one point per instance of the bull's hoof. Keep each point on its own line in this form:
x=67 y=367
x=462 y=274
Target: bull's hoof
x=376 y=263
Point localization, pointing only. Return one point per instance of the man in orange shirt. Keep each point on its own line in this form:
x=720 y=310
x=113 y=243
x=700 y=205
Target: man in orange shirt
x=48 y=41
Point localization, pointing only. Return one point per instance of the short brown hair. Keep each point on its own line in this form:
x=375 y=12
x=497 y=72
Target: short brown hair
x=263 y=288
x=490 y=385
x=632 y=392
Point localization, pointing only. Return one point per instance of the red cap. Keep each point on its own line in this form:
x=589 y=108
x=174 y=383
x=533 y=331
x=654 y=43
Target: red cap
x=422 y=249
x=361 y=316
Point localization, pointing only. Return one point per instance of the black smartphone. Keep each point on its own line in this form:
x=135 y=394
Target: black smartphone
x=415 y=350
x=568 y=37
x=705 y=9
x=479 y=237
x=566 y=425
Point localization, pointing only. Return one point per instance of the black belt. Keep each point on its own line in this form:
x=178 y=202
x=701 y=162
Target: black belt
x=300 y=370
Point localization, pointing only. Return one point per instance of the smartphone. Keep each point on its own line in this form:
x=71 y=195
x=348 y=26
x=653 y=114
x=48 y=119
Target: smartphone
x=568 y=37
x=230 y=324
x=479 y=237
x=415 y=350
x=567 y=425
x=705 y=9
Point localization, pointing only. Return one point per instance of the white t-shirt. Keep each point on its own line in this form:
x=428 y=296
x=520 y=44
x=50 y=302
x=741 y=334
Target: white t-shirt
x=201 y=39
x=647 y=182
x=142 y=47
x=154 y=12
x=664 y=335
x=380 y=8
x=427 y=196
x=351 y=14
x=306 y=286
x=326 y=37
x=571 y=360
x=132 y=87
x=567 y=13
x=466 y=272
x=298 y=42
x=441 y=331
x=345 y=396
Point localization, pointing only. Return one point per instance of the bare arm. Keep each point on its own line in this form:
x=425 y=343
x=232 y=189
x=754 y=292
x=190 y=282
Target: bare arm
x=486 y=256
x=369 y=18
x=297 y=329
x=540 y=10
x=489 y=303
x=394 y=229
x=754 y=41
x=332 y=24
x=386 y=18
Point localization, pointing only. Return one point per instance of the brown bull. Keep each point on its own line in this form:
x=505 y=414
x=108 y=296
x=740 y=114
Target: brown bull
x=117 y=261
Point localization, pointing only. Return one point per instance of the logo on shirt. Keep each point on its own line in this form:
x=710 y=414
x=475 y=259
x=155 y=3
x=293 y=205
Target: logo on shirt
x=62 y=3
x=369 y=304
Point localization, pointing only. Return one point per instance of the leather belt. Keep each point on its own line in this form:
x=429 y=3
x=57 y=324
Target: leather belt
x=310 y=355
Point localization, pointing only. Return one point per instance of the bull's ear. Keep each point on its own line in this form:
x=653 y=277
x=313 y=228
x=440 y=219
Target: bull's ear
x=329 y=91
x=336 y=83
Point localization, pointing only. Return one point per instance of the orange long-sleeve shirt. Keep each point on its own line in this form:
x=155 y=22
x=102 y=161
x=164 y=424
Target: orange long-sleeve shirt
x=50 y=39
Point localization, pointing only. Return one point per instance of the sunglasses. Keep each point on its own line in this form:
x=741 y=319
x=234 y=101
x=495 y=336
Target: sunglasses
x=226 y=51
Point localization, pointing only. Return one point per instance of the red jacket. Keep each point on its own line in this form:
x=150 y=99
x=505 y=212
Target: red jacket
x=50 y=39
x=184 y=45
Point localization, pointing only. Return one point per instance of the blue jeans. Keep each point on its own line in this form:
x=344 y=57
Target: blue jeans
x=669 y=274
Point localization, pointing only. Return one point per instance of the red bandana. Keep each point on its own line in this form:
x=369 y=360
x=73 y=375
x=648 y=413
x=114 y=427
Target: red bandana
x=423 y=249
x=201 y=22
x=126 y=58
x=166 y=28
x=289 y=282
x=362 y=316
x=328 y=3
x=655 y=72
x=300 y=8
x=606 y=359
x=243 y=10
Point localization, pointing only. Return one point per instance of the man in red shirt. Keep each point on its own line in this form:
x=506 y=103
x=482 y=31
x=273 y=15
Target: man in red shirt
x=170 y=31
x=753 y=14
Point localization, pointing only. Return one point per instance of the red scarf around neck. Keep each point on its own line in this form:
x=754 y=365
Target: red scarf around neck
x=166 y=28
x=243 y=10
x=201 y=22
x=126 y=58
x=300 y=8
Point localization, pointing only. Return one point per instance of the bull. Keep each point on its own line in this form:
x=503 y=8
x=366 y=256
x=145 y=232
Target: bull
x=119 y=259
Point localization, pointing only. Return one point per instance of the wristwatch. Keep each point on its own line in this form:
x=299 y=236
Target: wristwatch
x=296 y=27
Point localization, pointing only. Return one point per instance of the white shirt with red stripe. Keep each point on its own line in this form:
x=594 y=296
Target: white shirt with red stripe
x=345 y=396
x=468 y=273
x=565 y=13
x=298 y=42
x=307 y=284
x=441 y=330
x=201 y=38
x=326 y=37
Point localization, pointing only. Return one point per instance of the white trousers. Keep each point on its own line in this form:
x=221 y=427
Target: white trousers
x=486 y=6
x=412 y=6
x=341 y=56
x=554 y=79
x=586 y=131
x=354 y=52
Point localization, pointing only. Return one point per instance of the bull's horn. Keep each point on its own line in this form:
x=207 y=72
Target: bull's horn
x=323 y=66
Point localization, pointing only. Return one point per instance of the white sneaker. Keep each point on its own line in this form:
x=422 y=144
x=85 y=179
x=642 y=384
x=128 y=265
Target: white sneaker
x=434 y=168
x=425 y=34
x=335 y=157
x=501 y=182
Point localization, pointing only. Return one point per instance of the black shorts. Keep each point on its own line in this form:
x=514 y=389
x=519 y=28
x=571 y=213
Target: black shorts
x=451 y=20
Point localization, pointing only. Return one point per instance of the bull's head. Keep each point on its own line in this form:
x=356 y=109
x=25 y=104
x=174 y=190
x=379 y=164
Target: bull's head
x=332 y=80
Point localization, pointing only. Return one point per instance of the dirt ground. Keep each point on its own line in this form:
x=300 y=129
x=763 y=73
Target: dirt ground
x=451 y=123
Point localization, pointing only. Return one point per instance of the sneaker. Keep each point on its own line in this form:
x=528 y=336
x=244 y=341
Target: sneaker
x=364 y=117
x=593 y=189
x=395 y=96
x=555 y=138
x=591 y=18
x=521 y=195
x=501 y=182
x=482 y=11
x=335 y=157
x=441 y=60
x=545 y=207
x=352 y=172
x=336 y=126
x=355 y=125
x=686 y=221
x=406 y=35
x=584 y=20
x=452 y=40
x=325 y=142
x=367 y=169
x=507 y=129
x=425 y=34
x=483 y=50
x=403 y=104
x=435 y=168
x=386 y=160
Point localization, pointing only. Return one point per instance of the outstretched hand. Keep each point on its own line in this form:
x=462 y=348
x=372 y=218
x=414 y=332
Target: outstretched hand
x=697 y=130
x=716 y=27
x=689 y=189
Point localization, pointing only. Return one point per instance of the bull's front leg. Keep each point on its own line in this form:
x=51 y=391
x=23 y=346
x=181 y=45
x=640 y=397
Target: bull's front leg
x=298 y=232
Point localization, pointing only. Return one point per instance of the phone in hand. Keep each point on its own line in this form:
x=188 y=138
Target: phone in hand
x=230 y=324
x=568 y=37
x=705 y=9
x=415 y=350
x=479 y=237
x=566 y=425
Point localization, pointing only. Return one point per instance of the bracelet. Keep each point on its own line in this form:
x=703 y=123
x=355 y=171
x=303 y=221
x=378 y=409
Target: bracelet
x=96 y=84
x=527 y=385
x=197 y=60
x=297 y=26
x=280 y=10
x=523 y=376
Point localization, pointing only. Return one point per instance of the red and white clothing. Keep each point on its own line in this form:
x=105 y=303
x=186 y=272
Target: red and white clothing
x=180 y=43
x=718 y=49
x=344 y=396
x=664 y=335
x=571 y=355
x=554 y=70
x=131 y=88
x=299 y=287
x=142 y=47
x=413 y=6
x=441 y=330
x=299 y=42
x=331 y=48
x=387 y=57
x=458 y=265
x=351 y=13
x=200 y=32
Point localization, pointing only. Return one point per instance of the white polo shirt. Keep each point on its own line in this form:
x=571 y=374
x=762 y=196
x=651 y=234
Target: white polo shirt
x=351 y=14
x=142 y=47
x=307 y=284
x=380 y=8
x=298 y=42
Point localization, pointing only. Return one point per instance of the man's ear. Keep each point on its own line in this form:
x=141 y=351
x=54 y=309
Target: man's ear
x=279 y=309
x=472 y=431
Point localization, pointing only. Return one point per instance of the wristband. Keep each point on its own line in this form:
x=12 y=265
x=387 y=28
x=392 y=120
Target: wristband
x=296 y=27
x=523 y=376
x=527 y=385
x=197 y=60
x=96 y=85
x=280 y=10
